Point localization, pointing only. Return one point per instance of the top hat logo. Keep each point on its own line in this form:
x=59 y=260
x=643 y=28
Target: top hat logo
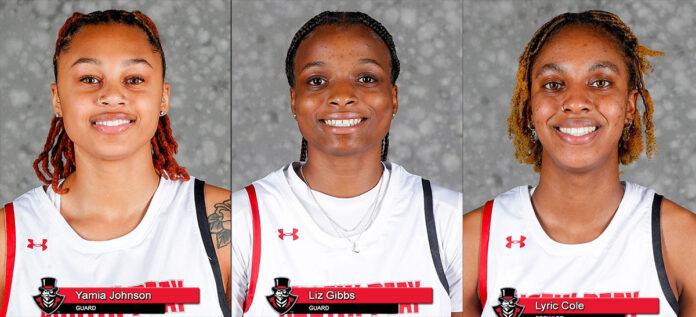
x=282 y=299
x=508 y=304
x=48 y=299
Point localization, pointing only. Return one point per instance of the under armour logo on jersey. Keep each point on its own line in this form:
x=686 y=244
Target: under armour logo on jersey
x=510 y=242
x=42 y=245
x=294 y=235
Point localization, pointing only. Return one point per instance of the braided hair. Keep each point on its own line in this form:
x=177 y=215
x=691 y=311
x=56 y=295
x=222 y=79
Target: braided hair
x=58 y=151
x=341 y=18
x=527 y=148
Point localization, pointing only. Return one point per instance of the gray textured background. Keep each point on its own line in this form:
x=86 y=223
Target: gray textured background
x=426 y=136
x=496 y=32
x=196 y=40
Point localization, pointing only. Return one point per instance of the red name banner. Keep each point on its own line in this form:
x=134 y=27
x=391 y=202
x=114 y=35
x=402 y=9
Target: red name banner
x=590 y=305
x=363 y=295
x=130 y=295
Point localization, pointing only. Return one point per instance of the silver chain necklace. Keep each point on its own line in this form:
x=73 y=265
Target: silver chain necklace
x=338 y=226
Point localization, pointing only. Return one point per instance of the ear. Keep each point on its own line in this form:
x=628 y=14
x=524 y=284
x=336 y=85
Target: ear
x=164 y=106
x=631 y=106
x=528 y=111
x=57 y=108
x=395 y=99
x=292 y=101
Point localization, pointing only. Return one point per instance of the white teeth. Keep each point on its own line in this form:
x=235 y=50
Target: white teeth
x=578 y=131
x=342 y=123
x=112 y=123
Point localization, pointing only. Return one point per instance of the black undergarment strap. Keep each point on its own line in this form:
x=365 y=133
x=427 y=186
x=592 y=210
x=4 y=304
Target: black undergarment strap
x=204 y=228
x=657 y=254
x=432 y=233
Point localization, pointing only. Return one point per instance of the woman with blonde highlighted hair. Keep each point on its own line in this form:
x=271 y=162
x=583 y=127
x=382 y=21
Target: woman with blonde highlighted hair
x=581 y=232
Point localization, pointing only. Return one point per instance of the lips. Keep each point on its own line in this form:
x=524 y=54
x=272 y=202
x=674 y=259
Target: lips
x=577 y=131
x=343 y=122
x=112 y=123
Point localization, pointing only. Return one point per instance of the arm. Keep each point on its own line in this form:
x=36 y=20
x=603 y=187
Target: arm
x=678 y=251
x=217 y=205
x=3 y=253
x=471 y=234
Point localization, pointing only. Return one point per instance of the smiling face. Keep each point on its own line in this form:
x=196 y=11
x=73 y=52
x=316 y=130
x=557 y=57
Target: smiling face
x=343 y=96
x=110 y=91
x=579 y=98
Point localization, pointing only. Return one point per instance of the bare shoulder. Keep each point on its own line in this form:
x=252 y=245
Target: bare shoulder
x=217 y=205
x=678 y=227
x=3 y=252
x=471 y=233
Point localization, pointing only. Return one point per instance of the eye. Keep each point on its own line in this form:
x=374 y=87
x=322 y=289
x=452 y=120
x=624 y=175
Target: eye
x=134 y=81
x=552 y=85
x=601 y=83
x=367 y=79
x=89 y=80
x=316 y=81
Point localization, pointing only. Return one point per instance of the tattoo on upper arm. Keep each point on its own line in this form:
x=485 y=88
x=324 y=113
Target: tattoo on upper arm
x=220 y=221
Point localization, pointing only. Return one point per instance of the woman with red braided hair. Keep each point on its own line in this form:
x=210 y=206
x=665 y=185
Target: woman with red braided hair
x=117 y=211
x=582 y=232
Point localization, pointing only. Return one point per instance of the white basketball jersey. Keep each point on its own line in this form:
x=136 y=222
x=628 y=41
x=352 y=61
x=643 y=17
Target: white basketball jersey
x=624 y=261
x=395 y=251
x=170 y=247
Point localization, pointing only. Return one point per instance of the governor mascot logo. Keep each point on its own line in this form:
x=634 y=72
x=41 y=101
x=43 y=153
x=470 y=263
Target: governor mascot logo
x=282 y=299
x=48 y=299
x=508 y=304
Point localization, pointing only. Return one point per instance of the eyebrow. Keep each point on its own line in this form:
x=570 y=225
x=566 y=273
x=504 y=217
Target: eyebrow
x=605 y=64
x=546 y=67
x=369 y=61
x=86 y=60
x=132 y=61
x=312 y=64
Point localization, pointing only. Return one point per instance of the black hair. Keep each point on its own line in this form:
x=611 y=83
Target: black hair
x=341 y=18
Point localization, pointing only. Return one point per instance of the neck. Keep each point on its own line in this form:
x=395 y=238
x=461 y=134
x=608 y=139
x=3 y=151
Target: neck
x=110 y=188
x=576 y=207
x=343 y=176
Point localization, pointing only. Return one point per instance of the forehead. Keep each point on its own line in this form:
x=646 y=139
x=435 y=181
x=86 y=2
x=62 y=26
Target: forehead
x=334 y=41
x=581 y=45
x=104 y=40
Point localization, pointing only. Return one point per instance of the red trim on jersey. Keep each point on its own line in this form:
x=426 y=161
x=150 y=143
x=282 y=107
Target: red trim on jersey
x=256 y=253
x=10 y=259
x=483 y=253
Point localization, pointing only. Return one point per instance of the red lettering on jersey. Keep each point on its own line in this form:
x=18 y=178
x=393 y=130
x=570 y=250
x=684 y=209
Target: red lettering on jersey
x=510 y=242
x=294 y=235
x=42 y=245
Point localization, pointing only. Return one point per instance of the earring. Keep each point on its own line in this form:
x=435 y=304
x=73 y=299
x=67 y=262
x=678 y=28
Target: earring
x=294 y=116
x=626 y=135
x=393 y=115
x=57 y=115
x=534 y=137
x=162 y=113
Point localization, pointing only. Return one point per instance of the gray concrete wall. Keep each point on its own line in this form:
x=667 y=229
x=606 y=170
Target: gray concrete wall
x=196 y=40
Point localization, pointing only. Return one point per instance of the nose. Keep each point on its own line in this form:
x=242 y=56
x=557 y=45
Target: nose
x=342 y=94
x=577 y=99
x=111 y=95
